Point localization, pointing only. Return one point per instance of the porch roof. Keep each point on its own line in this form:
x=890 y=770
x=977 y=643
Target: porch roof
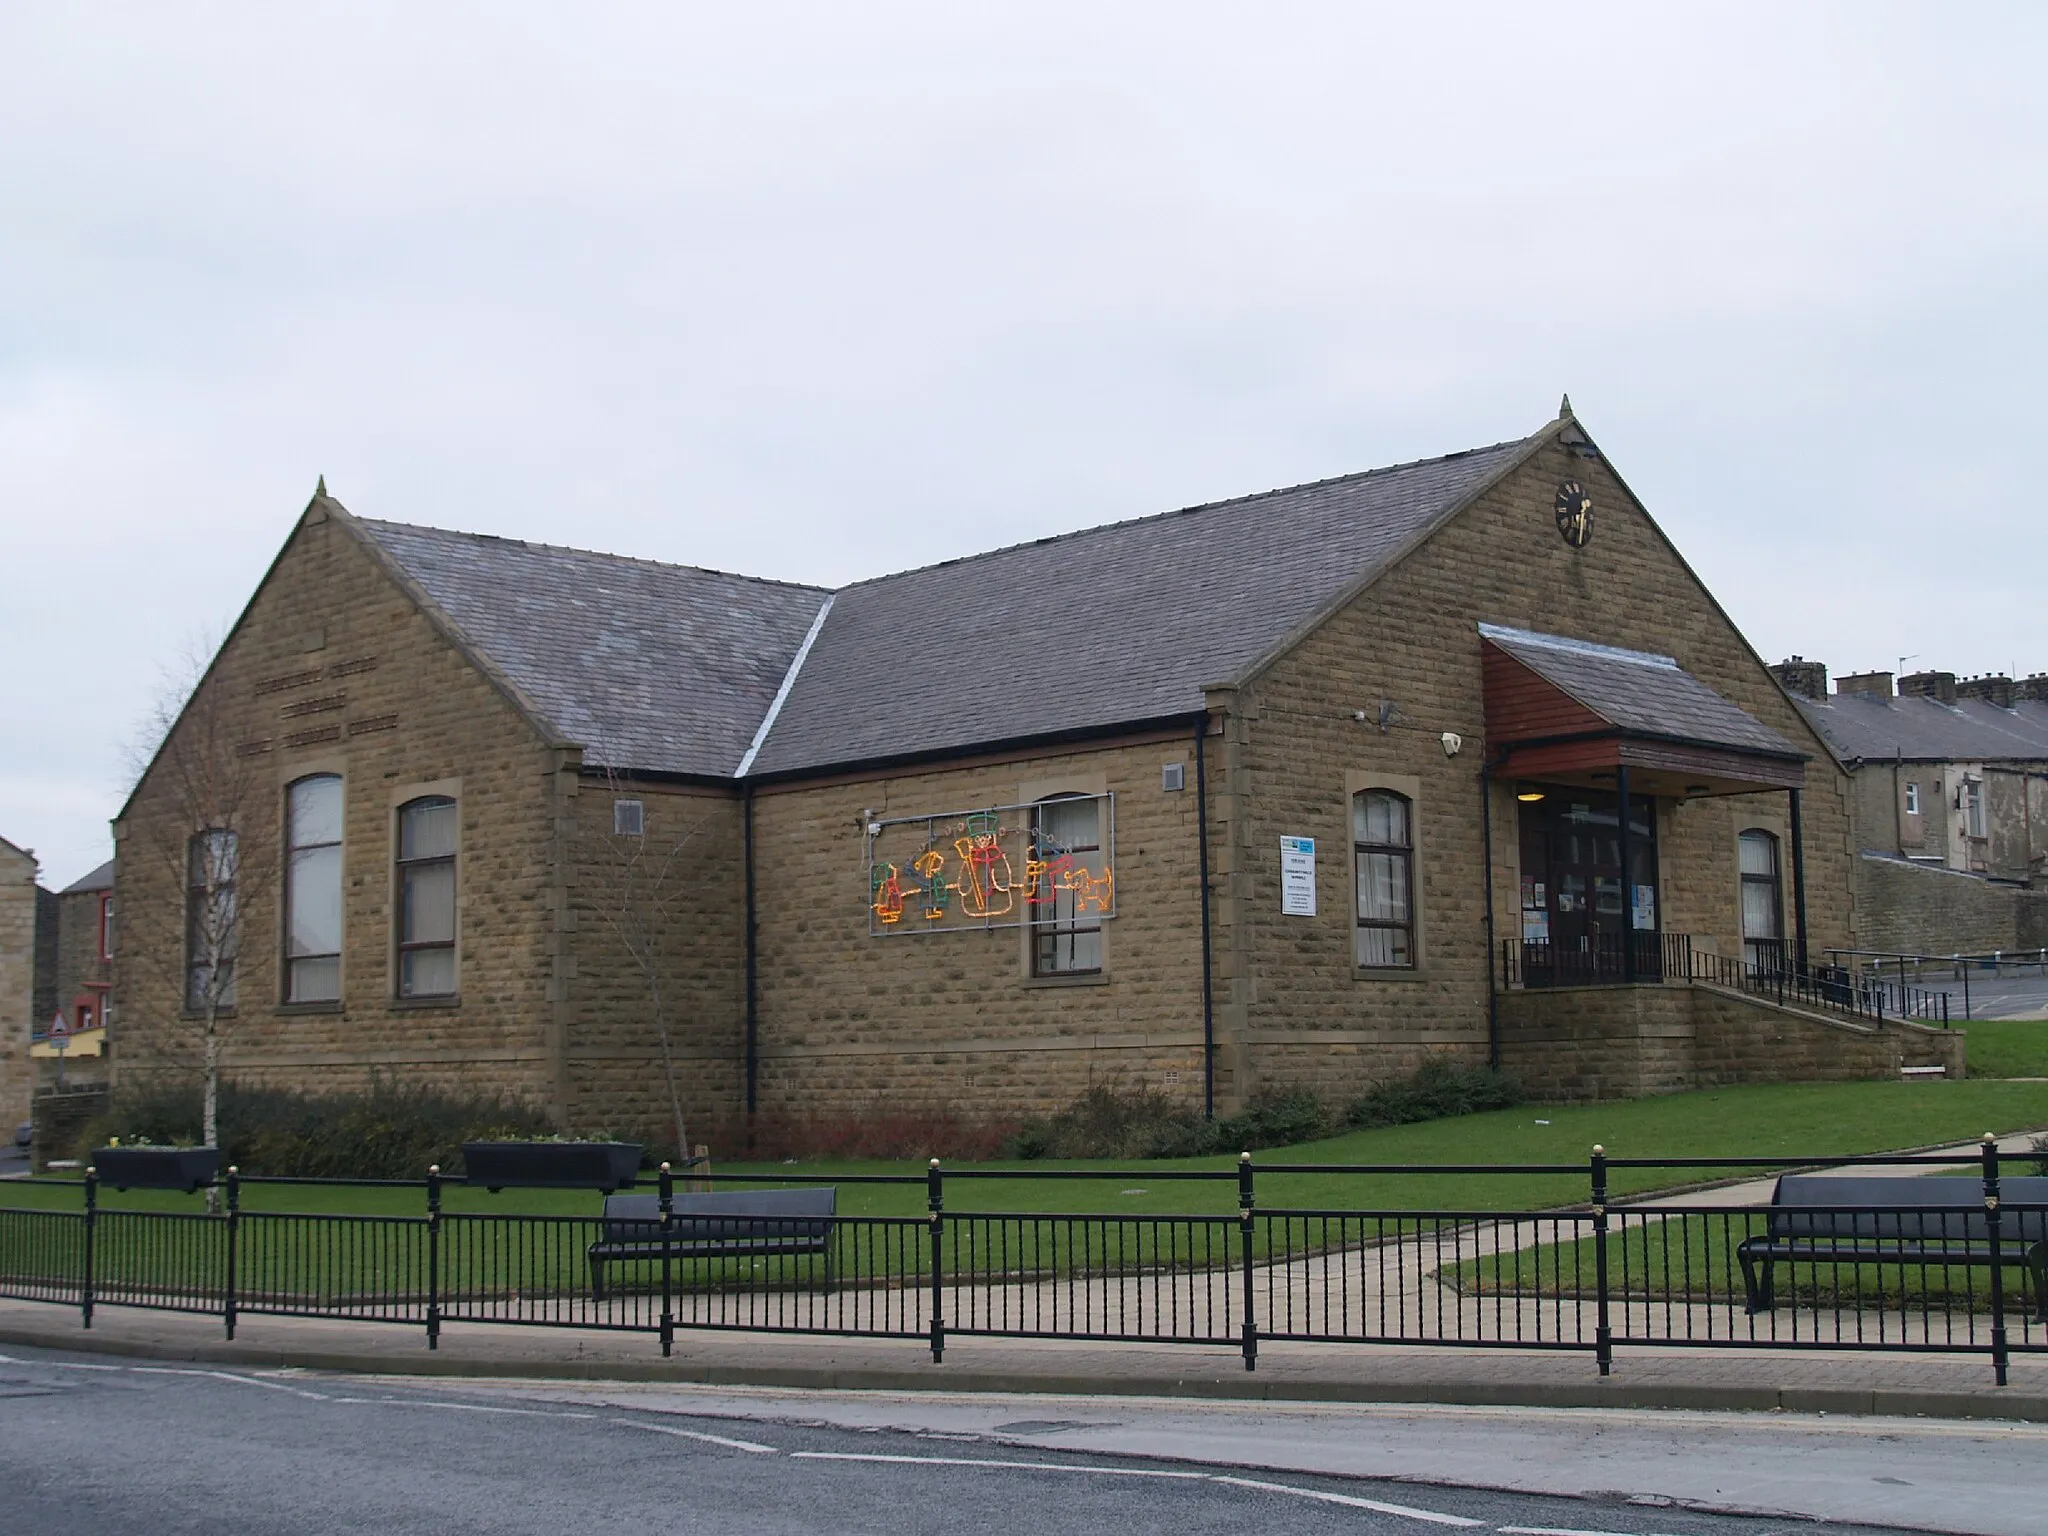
x=1575 y=711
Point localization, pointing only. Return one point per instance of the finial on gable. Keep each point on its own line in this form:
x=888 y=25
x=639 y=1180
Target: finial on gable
x=1564 y=408
x=321 y=488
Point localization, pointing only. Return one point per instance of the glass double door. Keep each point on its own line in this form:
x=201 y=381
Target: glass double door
x=1580 y=911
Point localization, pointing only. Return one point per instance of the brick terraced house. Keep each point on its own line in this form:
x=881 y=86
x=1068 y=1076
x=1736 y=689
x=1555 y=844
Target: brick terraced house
x=1456 y=756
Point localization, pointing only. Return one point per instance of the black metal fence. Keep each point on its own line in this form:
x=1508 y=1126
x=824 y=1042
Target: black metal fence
x=1921 y=1274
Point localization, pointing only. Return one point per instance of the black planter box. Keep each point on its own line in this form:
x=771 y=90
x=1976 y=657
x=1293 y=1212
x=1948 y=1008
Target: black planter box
x=604 y=1165
x=186 y=1168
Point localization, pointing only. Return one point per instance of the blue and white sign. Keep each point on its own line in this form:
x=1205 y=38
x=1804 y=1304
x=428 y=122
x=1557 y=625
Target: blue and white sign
x=1297 y=877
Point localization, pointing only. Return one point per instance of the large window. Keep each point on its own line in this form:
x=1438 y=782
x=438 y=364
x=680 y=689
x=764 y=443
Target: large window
x=426 y=897
x=1383 y=853
x=210 y=927
x=1763 y=906
x=312 y=893
x=1066 y=839
x=1973 y=807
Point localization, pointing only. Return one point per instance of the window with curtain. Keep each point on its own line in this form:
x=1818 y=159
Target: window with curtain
x=1066 y=837
x=426 y=897
x=312 y=890
x=210 y=919
x=1383 y=853
x=1763 y=932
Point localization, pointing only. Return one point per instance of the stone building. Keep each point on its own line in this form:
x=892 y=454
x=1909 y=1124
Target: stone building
x=1949 y=778
x=1456 y=756
x=24 y=926
x=81 y=975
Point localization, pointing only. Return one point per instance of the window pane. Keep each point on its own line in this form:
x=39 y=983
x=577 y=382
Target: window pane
x=1383 y=887
x=1380 y=816
x=427 y=973
x=1072 y=824
x=315 y=898
x=1759 y=853
x=316 y=811
x=429 y=905
x=426 y=830
x=315 y=981
x=1071 y=951
x=1759 y=909
x=1383 y=947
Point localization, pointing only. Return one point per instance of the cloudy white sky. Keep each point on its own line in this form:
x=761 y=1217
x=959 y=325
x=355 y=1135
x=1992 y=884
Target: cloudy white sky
x=819 y=291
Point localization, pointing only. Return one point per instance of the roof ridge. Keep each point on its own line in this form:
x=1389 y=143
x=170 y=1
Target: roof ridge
x=374 y=523
x=1188 y=511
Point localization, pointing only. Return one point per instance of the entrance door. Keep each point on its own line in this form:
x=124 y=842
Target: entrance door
x=1577 y=911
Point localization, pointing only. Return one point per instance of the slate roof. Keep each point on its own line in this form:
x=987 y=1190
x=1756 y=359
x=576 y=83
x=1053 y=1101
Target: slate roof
x=101 y=879
x=1860 y=727
x=660 y=667
x=1640 y=691
x=1111 y=625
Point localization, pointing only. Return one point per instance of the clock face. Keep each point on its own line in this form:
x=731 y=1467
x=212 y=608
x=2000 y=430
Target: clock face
x=1574 y=514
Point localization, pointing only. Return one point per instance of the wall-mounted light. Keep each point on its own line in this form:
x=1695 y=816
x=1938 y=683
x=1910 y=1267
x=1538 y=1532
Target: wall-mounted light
x=1528 y=794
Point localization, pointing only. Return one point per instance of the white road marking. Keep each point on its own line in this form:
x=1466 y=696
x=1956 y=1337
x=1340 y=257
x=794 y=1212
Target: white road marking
x=246 y=1381
x=973 y=1461
x=429 y=1402
x=59 y=1365
x=1405 y=1511
x=697 y=1434
x=1558 y=1530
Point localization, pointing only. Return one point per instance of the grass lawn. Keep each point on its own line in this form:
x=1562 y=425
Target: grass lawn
x=2008 y=1047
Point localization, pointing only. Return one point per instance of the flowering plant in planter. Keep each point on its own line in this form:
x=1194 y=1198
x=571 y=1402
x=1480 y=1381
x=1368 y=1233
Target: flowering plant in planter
x=552 y=1163
x=143 y=1166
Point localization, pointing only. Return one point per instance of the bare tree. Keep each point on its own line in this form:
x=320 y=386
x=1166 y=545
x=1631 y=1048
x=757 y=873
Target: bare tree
x=634 y=883
x=204 y=822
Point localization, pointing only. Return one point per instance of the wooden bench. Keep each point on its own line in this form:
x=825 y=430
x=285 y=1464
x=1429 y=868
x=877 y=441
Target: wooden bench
x=727 y=1224
x=1833 y=1218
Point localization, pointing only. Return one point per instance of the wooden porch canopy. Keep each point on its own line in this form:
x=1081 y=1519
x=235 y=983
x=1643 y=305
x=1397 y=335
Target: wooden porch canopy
x=1567 y=711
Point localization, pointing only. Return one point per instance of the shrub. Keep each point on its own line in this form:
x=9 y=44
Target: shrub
x=387 y=1132
x=2040 y=1146
x=1439 y=1089
x=1111 y=1122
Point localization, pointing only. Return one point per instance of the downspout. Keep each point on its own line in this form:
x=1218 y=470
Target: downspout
x=1208 y=981
x=1798 y=881
x=1492 y=941
x=753 y=1046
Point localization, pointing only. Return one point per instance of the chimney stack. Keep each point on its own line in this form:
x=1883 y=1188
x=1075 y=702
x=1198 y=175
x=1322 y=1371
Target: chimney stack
x=1939 y=686
x=1992 y=688
x=2035 y=688
x=1802 y=678
x=1878 y=685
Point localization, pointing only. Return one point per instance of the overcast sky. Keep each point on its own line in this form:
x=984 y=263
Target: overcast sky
x=824 y=291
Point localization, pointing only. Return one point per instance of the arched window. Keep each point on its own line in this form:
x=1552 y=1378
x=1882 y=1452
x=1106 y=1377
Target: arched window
x=210 y=927
x=1067 y=886
x=312 y=890
x=426 y=897
x=1763 y=930
x=1383 y=838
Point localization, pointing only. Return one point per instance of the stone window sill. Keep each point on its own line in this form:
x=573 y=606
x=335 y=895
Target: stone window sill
x=1389 y=973
x=445 y=1000
x=198 y=1015
x=293 y=1010
x=1091 y=979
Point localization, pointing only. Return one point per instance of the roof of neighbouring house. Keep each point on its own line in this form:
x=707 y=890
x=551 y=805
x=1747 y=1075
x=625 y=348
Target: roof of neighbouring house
x=1639 y=692
x=1863 y=727
x=675 y=669
x=101 y=879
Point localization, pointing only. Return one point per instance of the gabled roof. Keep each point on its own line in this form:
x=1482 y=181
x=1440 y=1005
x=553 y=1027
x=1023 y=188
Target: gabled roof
x=1110 y=626
x=101 y=879
x=1860 y=726
x=665 y=668
x=1639 y=692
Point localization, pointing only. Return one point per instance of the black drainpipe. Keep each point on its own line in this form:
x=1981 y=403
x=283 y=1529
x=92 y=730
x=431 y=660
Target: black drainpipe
x=753 y=1009
x=1492 y=981
x=1208 y=985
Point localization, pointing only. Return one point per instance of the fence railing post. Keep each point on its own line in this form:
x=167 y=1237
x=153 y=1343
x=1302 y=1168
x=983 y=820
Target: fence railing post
x=1603 y=1334
x=234 y=1225
x=434 y=1256
x=1244 y=1223
x=92 y=1213
x=935 y=1203
x=1994 y=1223
x=668 y=1226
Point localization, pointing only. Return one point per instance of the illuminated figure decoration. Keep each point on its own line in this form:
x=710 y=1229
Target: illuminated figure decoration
x=996 y=867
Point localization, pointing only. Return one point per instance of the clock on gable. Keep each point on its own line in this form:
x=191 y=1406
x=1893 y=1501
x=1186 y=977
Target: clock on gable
x=1574 y=514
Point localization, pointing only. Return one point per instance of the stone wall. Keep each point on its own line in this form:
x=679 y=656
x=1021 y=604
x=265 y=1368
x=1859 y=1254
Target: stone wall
x=1582 y=1043
x=914 y=1022
x=79 y=965
x=59 y=1120
x=333 y=669
x=1922 y=909
x=1296 y=1010
x=17 y=981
